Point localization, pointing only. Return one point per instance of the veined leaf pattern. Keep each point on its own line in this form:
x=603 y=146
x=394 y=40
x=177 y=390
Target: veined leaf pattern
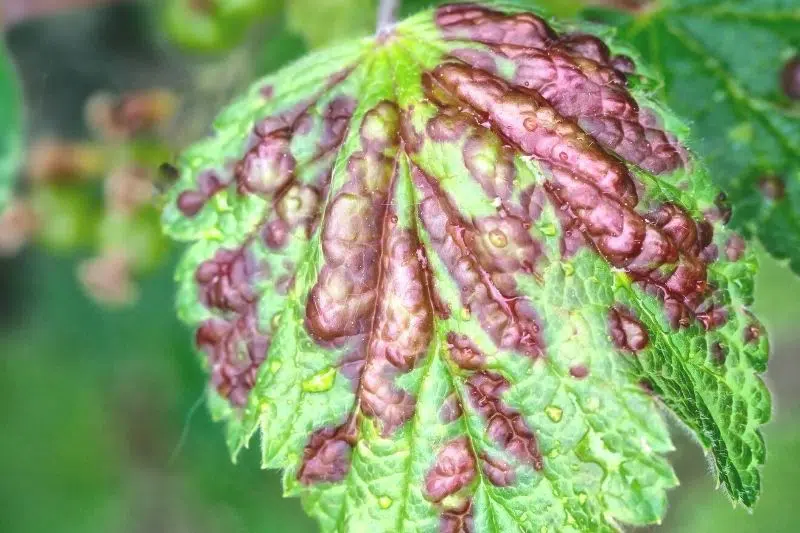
x=450 y=273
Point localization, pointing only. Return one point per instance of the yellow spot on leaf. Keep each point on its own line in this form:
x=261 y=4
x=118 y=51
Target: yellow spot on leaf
x=554 y=413
x=548 y=229
x=742 y=134
x=384 y=502
x=321 y=381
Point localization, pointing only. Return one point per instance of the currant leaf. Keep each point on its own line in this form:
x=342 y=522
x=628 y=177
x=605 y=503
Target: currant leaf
x=450 y=273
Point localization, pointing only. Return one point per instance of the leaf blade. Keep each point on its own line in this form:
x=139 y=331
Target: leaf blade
x=435 y=326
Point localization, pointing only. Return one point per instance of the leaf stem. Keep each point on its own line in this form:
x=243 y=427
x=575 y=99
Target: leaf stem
x=387 y=10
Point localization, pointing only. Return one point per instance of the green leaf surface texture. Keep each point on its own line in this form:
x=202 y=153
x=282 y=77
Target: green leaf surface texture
x=10 y=127
x=454 y=275
x=732 y=68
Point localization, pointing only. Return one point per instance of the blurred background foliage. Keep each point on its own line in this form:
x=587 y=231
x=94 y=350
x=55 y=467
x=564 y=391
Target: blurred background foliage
x=103 y=423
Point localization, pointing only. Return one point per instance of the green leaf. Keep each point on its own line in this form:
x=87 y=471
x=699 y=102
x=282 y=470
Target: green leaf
x=722 y=66
x=213 y=25
x=10 y=127
x=430 y=272
x=322 y=22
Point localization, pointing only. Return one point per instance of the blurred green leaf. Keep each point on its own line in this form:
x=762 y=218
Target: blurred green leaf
x=722 y=62
x=10 y=126
x=213 y=25
x=699 y=511
x=322 y=22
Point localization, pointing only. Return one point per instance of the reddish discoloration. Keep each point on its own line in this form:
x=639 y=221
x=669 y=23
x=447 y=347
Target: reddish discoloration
x=646 y=250
x=342 y=301
x=453 y=469
x=226 y=280
x=451 y=409
x=448 y=126
x=711 y=315
x=482 y=264
x=721 y=212
x=458 y=519
x=412 y=138
x=675 y=223
x=484 y=25
x=235 y=349
x=334 y=122
x=752 y=333
x=719 y=352
x=626 y=331
x=596 y=98
x=477 y=58
x=326 y=458
x=585 y=46
x=574 y=73
x=401 y=330
x=572 y=238
x=269 y=164
x=374 y=287
x=710 y=254
x=772 y=187
x=578 y=371
x=790 y=78
x=275 y=233
x=191 y=201
x=623 y=64
x=735 y=248
x=595 y=194
x=533 y=200
x=535 y=127
x=504 y=424
x=464 y=353
x=295 y=206
x=492 y=165
x=499 y=472
x=440 y=307
x=235 y=346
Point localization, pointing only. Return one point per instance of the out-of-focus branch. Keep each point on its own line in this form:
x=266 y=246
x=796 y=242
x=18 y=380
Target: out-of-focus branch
x=15 y=11
x=387 y=11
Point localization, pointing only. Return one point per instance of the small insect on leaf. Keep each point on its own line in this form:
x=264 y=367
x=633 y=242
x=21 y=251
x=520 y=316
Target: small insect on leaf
x=450 y=274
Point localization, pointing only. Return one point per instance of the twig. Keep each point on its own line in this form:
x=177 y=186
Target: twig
x=16 y=11
x=387 y=10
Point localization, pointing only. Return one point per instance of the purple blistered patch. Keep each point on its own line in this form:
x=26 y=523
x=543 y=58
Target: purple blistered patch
x=497 y=471
x=326 y=458
x=482 y=259
x=452 y=470
x=191 y=201
x=505 y=425
x=626 y=331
